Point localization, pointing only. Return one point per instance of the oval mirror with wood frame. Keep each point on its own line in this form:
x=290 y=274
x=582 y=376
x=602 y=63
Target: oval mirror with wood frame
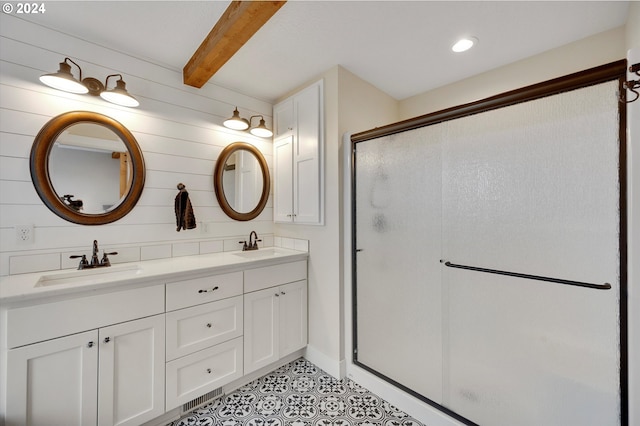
x=241 y=181
x=87 y=168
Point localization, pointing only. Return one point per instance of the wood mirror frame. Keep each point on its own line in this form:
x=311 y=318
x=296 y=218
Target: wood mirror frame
x=218 y=172
x=39 y=165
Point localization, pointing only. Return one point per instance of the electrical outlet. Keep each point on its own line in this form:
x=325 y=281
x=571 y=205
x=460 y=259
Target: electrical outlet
x=24 y=234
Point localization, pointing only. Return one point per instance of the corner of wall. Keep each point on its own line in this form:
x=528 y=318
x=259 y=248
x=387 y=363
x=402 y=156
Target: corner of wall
x=632 y=28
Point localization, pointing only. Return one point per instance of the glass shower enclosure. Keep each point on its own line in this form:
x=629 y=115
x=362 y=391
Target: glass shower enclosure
x=487 y=261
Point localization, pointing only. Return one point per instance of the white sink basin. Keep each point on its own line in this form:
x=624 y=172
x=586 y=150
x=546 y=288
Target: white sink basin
x=109 y=273
x=261 y=253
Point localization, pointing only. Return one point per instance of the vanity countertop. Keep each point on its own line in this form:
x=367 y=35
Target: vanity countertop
x=16 y=288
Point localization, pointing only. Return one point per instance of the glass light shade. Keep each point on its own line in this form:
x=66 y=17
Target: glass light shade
x=261 y=130
x=235 y=122
x=464 y=44
x=119 y=95
x=64 y=80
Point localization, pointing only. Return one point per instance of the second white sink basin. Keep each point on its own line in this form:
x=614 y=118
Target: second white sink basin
x=260 y=253
x=90 y=275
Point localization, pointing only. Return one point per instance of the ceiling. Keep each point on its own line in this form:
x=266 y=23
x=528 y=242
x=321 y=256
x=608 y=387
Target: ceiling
x=401 y=47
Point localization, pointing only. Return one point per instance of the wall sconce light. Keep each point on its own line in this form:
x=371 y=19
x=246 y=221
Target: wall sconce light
x=65 y=81
x=238 y=123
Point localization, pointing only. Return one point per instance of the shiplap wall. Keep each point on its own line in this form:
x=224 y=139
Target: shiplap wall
x=177 y=127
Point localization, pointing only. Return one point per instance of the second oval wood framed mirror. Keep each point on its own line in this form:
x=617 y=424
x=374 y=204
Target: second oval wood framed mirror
x=241 y=181
x=87 y=168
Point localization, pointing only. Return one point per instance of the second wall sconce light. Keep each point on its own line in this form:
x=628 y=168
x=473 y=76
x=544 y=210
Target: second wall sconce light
x=65 y=81
x=238 y=123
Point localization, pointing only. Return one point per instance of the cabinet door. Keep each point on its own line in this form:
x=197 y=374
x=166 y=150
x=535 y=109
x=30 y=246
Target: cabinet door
x=293 y=317
x=132 y=362
x=261 y=332
x=54 y=383
x=283 y=118
x=307 y=156
x=283 y=179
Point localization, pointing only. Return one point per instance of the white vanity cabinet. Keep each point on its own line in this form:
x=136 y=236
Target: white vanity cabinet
x=128 y=353
x=131 y=366
x=54 y=382
x=275 y=310
x=204 y=336
x=109 y=375
x=298 y=152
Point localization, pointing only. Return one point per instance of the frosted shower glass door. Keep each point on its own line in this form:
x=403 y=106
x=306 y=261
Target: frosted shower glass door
x=533 y=188
x=398 y=233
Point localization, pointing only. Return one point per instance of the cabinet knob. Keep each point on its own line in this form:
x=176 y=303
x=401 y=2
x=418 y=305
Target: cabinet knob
x=208 y=371
x=277 y=295
x=209 y=325
x=90 y=344
x=107 y=339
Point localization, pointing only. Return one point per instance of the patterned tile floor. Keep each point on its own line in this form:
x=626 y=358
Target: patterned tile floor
x=299 y=394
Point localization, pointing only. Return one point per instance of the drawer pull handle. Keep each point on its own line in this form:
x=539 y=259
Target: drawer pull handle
x=207 y=291
x=208 y=371
x=282 y=293
x=209 y=325
x=107 y=339
x=90 y=344
x=277 y=295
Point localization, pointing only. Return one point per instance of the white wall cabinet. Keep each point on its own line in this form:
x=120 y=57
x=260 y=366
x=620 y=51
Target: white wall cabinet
x=110 y=376
x=299 y=157
x=276 y=320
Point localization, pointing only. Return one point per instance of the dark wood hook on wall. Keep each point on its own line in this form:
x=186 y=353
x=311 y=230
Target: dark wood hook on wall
x=632 y=85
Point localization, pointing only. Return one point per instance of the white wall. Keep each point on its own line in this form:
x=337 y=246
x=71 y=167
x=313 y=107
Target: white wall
x=177 y=127
x=596 y=50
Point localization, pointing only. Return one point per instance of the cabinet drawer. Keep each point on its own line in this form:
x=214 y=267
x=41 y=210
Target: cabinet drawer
x=192 y=329
x=269 y=276
x=50 y=320
x=182 y=294
x=194 y=375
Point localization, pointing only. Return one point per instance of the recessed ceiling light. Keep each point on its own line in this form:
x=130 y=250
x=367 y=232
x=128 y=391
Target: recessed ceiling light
x=464 y=44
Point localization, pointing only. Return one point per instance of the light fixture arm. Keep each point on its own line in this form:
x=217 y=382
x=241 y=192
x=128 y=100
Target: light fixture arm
x=106 y=80
x=254 y=116
x=66 y=64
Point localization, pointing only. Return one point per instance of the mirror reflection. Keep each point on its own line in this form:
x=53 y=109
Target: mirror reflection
x=90 y=168
x=242 y=181
x=87 y=168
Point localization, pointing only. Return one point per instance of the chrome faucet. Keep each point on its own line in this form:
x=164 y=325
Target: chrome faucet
x=95 y=262
x=253 y=242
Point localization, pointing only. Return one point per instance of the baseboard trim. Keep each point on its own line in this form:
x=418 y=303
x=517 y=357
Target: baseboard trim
x=337 y=369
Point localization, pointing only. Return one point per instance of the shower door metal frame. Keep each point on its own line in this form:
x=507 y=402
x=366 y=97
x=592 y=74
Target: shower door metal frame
x=604 y=73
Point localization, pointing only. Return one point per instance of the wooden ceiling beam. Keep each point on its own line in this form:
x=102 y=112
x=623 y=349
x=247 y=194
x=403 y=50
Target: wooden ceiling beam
x=236 y=26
